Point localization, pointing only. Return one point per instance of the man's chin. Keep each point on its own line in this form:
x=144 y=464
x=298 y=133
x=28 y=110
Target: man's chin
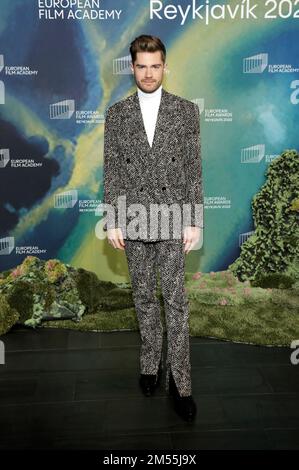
x=150 y=88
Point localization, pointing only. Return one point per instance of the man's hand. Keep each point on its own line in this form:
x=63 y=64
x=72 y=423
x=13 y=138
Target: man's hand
x=191 y=237
x=115 y=238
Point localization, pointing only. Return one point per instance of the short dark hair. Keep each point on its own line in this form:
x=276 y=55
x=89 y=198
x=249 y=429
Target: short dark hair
x=147 y=43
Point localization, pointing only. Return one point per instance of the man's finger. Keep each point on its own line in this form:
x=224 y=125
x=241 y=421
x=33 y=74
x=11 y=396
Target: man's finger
x=186 y=234
x=115 y=239
x=121 y=241
x=187 y=245
x=117 y=244
x=120 y=245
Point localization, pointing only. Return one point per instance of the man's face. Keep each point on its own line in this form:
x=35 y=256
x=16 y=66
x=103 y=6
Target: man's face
x=148 y=70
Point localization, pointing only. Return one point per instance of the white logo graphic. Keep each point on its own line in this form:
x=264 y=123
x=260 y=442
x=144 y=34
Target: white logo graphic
x=121 y=66
x=4 y=157
x=62 y=110
x=253 y=154
x=255 y=64
x=244 y=236
x=6 y=245
x=200 y=102
x=66 y=199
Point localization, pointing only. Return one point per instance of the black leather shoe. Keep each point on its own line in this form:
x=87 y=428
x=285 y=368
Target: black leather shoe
x=184 y=406
x=149 y=382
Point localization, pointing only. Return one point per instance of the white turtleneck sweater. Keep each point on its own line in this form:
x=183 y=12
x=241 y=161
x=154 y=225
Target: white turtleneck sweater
x=149 y=103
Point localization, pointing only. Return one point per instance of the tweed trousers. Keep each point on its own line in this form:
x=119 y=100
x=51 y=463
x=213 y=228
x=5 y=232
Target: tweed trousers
x=145 y=261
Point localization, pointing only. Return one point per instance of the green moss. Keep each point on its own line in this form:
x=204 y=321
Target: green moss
x=40 y=290
x=221 y=305
x=55 y=270
x=276 y=280
x=100 y=294
x=274 y=245
x=20 y=298
x=8 y=315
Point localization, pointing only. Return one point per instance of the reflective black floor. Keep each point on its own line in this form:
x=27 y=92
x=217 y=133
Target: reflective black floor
x=62 y=389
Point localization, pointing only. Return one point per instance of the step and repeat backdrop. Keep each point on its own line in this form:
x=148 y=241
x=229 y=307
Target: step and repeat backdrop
x=64 y=62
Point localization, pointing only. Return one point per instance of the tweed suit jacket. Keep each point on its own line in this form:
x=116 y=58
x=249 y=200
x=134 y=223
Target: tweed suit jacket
x=168 y=172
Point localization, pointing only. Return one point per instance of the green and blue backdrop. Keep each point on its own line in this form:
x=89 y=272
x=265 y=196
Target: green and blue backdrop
x=63 y=62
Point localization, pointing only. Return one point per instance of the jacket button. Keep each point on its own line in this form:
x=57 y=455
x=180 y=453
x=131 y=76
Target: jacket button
x=128 y=160
x=173 y=159
x=163 y=188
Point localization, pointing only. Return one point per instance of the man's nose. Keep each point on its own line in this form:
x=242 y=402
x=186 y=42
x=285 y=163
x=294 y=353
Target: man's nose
x=148 y=73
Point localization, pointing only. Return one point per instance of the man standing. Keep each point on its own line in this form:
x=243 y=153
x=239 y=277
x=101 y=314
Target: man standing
x=152 y=158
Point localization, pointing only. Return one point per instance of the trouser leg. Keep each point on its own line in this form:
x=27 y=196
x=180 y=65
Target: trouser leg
x=171 y=262
x=141 y=258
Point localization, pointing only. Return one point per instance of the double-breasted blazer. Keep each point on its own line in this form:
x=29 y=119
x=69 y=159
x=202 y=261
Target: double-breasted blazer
x=169 y=171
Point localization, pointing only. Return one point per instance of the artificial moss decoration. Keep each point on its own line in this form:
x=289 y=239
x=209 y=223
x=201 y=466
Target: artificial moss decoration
x=20 y=297
x=274 y=245
x=40 y=290
x=8 y=316
x=104 y=295
x=220 y=306
x=276 y=280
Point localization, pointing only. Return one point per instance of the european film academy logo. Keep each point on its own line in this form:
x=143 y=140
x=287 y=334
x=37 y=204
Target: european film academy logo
x=17 y=162
x=16 y=70
x=255 y=154
x=7 y=244
x=259 y=62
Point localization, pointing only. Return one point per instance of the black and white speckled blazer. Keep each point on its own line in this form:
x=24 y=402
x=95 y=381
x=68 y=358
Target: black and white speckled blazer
x=168 y=172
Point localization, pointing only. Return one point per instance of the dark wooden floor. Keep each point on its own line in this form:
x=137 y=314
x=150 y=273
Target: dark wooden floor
x=62 y=389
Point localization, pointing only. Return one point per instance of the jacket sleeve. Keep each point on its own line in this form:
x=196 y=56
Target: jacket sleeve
x=111 y=168
x=193 y=169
